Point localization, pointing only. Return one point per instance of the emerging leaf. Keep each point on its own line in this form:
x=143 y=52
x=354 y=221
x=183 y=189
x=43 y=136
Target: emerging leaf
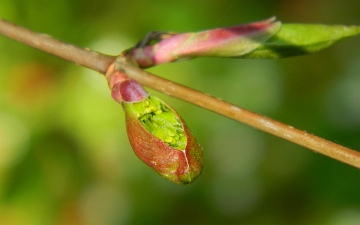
x=300 y=39
x=157 y=133
x=161 y=139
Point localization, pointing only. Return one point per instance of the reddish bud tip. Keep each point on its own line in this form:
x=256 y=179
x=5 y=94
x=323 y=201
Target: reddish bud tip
x=132 y=91
x=124 y=88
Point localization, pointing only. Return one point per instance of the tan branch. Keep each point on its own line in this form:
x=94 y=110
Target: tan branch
x=80 y=56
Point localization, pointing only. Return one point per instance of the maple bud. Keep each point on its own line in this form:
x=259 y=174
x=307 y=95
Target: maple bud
x=157 y=133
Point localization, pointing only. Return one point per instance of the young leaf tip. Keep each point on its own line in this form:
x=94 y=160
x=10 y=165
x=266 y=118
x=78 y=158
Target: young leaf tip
x=300 y=39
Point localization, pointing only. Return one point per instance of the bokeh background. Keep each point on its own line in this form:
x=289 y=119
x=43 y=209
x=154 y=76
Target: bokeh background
x=64 y=153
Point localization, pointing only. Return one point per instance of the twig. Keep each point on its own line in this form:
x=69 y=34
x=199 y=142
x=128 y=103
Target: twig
x=101 y=62
x=80 y=56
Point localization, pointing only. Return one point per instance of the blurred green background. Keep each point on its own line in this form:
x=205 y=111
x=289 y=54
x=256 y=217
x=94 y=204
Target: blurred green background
x=64 y=153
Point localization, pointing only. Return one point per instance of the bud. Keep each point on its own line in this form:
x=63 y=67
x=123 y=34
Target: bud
x=157 y=133
x=221 y=42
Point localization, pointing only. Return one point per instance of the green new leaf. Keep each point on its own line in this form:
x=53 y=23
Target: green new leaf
x=159 y=120
x=300 y=39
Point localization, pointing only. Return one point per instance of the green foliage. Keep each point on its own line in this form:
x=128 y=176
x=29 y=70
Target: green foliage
x=300 y=39
x=159 y=120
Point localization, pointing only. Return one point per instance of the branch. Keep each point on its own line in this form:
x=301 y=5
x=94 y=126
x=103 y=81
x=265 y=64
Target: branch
x=80 y=56
x=100 y=63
